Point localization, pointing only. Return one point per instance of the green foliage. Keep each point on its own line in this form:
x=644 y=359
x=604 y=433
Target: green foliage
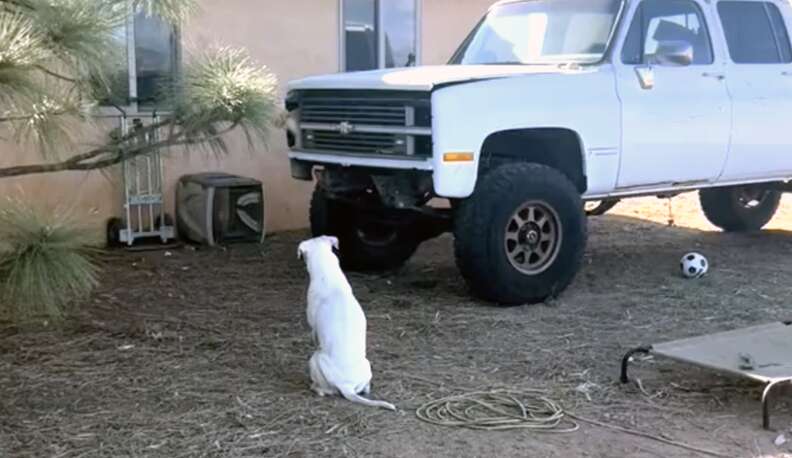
x=221 y=88
x=45 y=263
x=59 y=59
x=78 y=34
x=175 y=11
x=21 y=49
x=50 y=124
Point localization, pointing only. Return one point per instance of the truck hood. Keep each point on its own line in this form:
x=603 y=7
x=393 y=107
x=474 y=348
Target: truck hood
x=420 y=78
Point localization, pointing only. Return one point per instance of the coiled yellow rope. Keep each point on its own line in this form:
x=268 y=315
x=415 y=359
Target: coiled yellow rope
x=498 y=410
x=501 y=410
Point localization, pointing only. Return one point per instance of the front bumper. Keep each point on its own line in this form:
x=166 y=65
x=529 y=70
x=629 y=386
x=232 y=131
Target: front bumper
x=449 y=180
x=351 y=160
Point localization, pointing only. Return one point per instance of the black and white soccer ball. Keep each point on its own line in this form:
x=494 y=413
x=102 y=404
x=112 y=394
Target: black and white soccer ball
x=694 y=265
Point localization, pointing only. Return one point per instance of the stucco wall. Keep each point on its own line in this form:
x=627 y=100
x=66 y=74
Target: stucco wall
x=446 y=23
x=293 y=38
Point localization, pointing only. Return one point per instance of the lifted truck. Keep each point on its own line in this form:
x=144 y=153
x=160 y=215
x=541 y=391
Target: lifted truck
x=546 y=105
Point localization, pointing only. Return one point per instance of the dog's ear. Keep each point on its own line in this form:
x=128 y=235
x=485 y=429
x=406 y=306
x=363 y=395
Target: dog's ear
x=334 y=242
x=301 y=250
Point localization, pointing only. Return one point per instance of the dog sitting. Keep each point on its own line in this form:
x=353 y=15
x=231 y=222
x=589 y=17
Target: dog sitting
x=338 y=326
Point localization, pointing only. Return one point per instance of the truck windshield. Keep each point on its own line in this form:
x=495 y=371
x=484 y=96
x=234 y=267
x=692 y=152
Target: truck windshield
x=541 y=32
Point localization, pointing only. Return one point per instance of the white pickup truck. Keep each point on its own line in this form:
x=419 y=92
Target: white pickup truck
x=546 y=105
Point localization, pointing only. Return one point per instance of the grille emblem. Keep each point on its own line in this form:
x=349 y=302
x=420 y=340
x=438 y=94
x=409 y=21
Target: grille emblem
x=345 y=128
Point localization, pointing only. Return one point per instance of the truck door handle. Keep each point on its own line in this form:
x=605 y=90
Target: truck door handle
x=717 y=76
x=645 y=77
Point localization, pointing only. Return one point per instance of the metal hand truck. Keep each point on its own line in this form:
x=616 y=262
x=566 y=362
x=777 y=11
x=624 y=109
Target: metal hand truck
x=144 y=211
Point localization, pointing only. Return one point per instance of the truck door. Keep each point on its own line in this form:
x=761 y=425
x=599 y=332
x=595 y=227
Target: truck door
x=676 y=110
x=759 y=78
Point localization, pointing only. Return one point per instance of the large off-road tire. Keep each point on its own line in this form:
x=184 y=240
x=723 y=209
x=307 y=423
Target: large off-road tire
x=363 y=245
x=520 y=237
x=740 y=208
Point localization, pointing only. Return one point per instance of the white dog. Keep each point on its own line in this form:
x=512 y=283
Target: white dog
x=338 y=325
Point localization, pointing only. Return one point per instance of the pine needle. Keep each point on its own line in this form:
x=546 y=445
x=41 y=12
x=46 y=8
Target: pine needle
x=174 y=11
x=80 y=34
x=224 y=87
x=45 y=262
x=21 y=48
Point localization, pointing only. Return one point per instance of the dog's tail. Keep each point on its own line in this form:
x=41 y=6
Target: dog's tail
x=358 y=399
x=347 y=391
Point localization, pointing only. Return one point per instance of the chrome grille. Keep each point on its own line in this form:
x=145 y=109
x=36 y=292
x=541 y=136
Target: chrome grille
x=389 y=123
x=360 y=111
x=357 y=142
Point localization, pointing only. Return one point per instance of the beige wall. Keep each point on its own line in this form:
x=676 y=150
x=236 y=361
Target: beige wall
x=293 y=38
x=445 y=24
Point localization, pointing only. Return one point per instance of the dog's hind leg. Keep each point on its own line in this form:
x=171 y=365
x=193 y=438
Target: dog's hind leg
x=366 y=390
x=320 y=384
x=316 y=375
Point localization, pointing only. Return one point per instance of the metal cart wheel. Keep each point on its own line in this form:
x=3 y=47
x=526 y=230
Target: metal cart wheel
x=113 y=234
x=163 y=221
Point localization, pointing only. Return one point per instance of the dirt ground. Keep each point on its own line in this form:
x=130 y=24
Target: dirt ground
x=203 y=353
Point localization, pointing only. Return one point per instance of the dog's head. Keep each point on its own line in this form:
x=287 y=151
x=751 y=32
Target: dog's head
x=325 y=242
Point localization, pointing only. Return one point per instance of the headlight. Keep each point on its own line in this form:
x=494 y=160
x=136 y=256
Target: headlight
x=292 y=101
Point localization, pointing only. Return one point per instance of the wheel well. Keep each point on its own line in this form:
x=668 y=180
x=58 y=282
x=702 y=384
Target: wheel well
x=553 y=147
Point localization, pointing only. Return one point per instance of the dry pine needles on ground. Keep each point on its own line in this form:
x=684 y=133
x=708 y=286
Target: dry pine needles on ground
x=203 y=353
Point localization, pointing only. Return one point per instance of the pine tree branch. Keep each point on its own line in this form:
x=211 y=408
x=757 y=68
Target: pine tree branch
x=89 y=161
x=19 y=3
x=23 y=118
x=55 y=74
x=15 y=6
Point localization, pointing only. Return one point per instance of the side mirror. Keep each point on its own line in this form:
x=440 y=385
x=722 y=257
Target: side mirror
x=676 y=53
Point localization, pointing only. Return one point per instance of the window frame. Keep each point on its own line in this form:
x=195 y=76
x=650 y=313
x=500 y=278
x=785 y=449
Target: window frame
x=766 y=4
x=133 y=107
x=776 y=33
x=380 y=31
x=638 y=11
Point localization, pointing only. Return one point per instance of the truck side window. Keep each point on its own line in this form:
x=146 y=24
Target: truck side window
x=755 y=32
x=666 y=20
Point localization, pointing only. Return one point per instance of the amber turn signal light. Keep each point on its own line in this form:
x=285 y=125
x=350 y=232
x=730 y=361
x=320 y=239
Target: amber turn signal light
x=458 y=157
